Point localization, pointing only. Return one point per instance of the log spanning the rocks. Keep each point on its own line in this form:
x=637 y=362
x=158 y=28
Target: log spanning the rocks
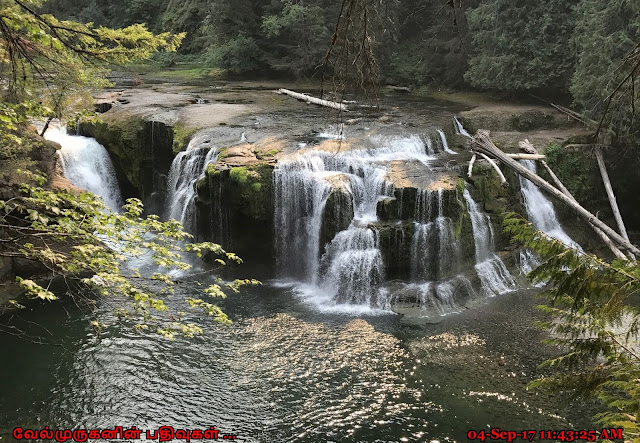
x=481 y=143
x=527 y=156
x=528 y=147
x=316 y=101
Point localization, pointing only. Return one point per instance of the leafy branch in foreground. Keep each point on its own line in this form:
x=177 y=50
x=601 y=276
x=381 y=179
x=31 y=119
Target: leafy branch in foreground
x=56 y=62
x=74 y=237
x=594 y=321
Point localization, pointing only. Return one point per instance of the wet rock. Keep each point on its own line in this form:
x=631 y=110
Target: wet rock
x=103 y=107
x=234 y=207
x=387 y=209
x=141 y=152
x=395 y=248
x=338 y=213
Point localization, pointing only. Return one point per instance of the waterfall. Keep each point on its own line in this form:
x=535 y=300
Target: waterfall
x=300 y=198
x=540 y=209
x=347 y=273
x=435 y=257
x=186 y=168
x=429 y=146
x=86 y=163
x=435 y=252
x=493 y=273
x=352 y=267
x=445 y=144
x=459 y=128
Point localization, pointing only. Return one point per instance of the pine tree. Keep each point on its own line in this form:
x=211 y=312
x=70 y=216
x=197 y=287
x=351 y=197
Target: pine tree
x=607 y=41
x=521 y=45
x=594 y=321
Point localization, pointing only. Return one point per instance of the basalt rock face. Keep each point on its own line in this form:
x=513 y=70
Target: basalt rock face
x=337 y=215
x=497 y=199
x=234 y=207
x=396 y=239
x=141 y=152
x=424 y=229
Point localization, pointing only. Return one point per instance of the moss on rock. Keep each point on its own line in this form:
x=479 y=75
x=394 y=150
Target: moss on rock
x=141 y=152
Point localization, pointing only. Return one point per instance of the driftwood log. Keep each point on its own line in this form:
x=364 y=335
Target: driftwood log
x=314 y=100
x=610 y=194
x=481 y=144
x=527 y=156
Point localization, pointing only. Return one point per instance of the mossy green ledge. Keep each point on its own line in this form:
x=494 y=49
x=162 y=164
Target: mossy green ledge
x=141 y=151
x=234 y=205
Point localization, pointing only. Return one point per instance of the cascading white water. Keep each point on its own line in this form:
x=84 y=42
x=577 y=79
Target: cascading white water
x=87 y=164
x=435 y=253
x=429 y=146
x=186 y=168
x=445 y=144
x=493 y=273
x=540 y=209
x=348 y=272
x=352 y=268
x=300 y=197
x=434 y=250
x=333 y=133
x=459 y=128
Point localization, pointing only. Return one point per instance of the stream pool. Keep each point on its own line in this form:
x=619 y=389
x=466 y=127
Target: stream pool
x=284 y=372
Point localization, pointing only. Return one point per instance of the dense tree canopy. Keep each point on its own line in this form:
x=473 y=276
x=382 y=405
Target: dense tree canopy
x=521 y=45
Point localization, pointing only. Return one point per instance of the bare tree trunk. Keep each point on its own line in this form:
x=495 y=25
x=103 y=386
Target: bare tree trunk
x=481 y=143
x=617 y=252
x=503 y=179
x=610 y=194
x=46 y=126
x=527 y=156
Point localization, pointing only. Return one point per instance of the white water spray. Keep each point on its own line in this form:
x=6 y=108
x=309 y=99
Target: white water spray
x=540 y=209
x=459 y=128
x=445 y=144
x=493 y=273
x=87 y=164
x=186 y=168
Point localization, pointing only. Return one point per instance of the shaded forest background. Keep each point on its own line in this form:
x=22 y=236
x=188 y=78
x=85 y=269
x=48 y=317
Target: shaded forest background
x=495 y=44
x=578 y=51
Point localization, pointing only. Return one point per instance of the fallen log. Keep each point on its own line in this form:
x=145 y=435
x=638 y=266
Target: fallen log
x=316 y=101
x=527 y=156
x=404 y=89
x=482 y=144
x=527 y=146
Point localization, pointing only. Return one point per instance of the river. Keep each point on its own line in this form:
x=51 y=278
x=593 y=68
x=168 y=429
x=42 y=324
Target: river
x=284 y=372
